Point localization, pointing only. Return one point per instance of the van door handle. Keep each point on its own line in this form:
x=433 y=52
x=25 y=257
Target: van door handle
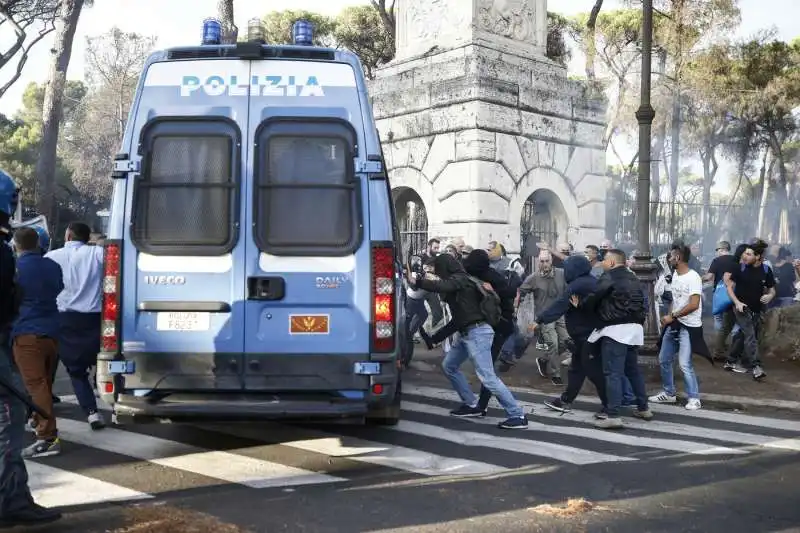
x=266 y=288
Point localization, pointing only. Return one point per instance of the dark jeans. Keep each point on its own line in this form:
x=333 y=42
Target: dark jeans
x=14 y=492
x=581 y=367
x=725 y=324
x=620 y=361
x=78 y=346
x=501 y=334
x=745 y=343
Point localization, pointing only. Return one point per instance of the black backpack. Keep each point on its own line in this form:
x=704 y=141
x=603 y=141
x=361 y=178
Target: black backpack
x=489 y=304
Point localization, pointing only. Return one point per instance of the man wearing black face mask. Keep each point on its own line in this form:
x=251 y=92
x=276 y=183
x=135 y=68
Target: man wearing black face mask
x=478 y=265
x=465 y=298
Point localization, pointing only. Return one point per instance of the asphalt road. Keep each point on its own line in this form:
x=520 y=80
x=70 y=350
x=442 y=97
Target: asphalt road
x=705 y=471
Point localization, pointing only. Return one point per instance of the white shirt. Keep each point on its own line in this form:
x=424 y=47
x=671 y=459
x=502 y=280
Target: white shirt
x=82 y=268
x=628 y=334
x=683 y=287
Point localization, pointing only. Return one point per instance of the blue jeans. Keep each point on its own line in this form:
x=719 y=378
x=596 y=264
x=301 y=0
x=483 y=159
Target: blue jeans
x=78 y=345
x=676 y=341
x=621 y=361
x=628 y=397
x=476 y=344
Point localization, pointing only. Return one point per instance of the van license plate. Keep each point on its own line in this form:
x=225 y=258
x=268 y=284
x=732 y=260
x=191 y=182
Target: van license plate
x=183 y=321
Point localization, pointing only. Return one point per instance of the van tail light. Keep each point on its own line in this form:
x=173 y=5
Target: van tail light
x=383 y=298
x=111 y=297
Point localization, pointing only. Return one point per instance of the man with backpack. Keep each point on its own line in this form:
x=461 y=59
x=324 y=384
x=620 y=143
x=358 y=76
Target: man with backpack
x=475 y=309
x=750 y=287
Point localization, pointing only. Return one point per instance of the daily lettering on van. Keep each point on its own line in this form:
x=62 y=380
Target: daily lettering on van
x=259 y=85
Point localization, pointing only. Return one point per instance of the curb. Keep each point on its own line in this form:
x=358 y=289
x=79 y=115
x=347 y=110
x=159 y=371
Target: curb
x=720 y=401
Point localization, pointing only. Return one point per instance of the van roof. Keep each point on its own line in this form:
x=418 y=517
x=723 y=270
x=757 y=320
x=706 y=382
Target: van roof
x=254 y=51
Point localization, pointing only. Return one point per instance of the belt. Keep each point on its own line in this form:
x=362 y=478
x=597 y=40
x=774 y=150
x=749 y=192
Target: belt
x=469 y=327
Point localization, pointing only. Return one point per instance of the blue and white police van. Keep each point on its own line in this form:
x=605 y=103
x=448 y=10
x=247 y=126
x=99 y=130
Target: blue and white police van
x=252 y=265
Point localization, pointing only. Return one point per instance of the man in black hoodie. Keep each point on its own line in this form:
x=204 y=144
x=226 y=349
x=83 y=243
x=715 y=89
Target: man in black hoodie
x=478 y=265
x=475 y=341
x=580 y=323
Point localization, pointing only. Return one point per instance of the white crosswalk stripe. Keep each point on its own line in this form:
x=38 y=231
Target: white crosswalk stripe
x=428 y=442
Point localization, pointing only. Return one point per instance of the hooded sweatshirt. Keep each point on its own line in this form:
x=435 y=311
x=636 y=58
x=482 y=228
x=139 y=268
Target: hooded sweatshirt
x=477 y=264
x=580 y=282
x=457 y=290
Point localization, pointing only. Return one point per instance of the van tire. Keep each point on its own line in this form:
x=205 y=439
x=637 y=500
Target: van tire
x=389 y=415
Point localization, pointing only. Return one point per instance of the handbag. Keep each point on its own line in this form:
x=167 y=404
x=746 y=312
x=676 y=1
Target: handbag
x=526 y=316
x=721 y=301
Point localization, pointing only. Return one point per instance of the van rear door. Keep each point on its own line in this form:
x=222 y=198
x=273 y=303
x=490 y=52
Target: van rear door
x=307 y=278
x=183 y=261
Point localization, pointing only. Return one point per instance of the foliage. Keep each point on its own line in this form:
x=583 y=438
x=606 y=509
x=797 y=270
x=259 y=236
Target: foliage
x=278 y=26
x=361 y=30
x=114 y=62
x=557 y=48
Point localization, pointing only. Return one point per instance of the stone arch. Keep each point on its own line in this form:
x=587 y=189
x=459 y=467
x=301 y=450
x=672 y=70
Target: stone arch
x=548 y=200
x=412 y=196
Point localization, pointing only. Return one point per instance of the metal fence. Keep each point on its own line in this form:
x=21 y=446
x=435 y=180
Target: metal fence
x=413 y=225
x=729 y=222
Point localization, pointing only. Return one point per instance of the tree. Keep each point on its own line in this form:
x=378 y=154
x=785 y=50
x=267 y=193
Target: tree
x=557 y=48
x=66 y=24
x=278 y=26
x=114 y=61
x=31 y=21
x=361 y=30
x=225 y=13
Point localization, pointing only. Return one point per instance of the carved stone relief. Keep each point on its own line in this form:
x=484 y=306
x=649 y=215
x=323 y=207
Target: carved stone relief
x=513 y=19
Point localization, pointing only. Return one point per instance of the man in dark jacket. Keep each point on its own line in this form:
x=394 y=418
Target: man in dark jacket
x=478 y=265
x=620 y=307
x=580 y=323
x=475 y=341
x=17 y=507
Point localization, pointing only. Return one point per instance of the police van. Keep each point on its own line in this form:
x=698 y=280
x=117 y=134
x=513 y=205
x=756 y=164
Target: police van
x=252 y=264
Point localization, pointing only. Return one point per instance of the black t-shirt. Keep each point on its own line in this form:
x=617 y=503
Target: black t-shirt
x=785 y=279
x=751 y=282
x=720 y=265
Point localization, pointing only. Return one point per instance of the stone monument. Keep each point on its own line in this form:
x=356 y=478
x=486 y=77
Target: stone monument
x=477 y=122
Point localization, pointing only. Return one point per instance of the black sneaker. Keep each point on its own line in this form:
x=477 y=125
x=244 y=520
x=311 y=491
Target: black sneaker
x=558 y=382
x=516 y=422
x=541 y=364
x=735 y=367
x=758 y=373
x=33 y=515
x=466 y=411
x=557 y=405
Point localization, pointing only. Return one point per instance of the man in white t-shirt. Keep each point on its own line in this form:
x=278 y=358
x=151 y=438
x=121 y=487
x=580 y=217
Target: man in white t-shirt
x=680 y=326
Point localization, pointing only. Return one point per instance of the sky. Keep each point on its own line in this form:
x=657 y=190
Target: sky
x=179 y=22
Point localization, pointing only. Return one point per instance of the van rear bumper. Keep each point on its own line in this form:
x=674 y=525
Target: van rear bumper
x=198 y=407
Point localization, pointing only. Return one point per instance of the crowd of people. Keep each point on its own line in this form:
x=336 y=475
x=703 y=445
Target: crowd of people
x=586 y=312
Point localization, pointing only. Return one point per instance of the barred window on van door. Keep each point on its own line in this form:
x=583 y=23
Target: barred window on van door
x=306 y=193
x=184 y=197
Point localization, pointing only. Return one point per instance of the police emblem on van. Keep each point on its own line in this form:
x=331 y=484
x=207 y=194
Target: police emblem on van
x=165 y=280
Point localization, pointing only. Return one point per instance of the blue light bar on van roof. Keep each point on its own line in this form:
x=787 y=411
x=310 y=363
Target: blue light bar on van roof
x=303 y=33
x=212 y=31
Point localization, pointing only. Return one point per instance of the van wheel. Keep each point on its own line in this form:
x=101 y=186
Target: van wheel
x=389 y=415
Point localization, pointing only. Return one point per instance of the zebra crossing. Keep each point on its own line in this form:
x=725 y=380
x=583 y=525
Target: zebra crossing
x=135 y=463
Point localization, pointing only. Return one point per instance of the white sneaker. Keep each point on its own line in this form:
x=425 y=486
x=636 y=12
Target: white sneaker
x=662 y=397
x=96 y=421
x=693 y=404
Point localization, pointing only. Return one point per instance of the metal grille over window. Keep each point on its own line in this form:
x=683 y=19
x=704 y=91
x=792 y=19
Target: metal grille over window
x=184 y=198
x=306 y=194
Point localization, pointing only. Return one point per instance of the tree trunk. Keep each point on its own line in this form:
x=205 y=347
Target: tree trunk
x=764 y=178
x=66 y=23
x=781 y=224
x=230 y=33
x=674 y=159
x=655 y=162
x=710 y=168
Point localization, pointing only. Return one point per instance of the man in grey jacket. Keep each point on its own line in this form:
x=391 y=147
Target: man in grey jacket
x=547 y=285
